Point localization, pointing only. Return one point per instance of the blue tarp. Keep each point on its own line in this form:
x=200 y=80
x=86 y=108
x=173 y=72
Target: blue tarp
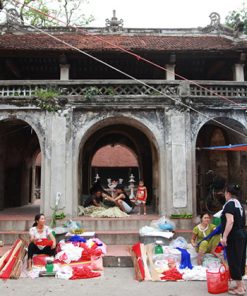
x=236 y=147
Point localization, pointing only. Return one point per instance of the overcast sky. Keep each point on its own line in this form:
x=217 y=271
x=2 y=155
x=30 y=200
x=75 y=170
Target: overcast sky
x=160 y=13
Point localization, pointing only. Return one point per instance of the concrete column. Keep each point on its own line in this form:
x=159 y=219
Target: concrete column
x=33 y=182
x=179 y=176
x=64 y=71
x=55 y=164
x=238 y=72
x=170 y=73
x=2 y=154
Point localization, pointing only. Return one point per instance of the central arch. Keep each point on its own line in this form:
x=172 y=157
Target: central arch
x=131 y=136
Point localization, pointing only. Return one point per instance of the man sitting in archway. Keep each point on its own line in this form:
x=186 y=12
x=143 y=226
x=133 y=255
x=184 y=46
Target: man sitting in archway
x=121 y=199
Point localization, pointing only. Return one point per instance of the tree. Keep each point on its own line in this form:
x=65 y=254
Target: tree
x=68 y=11
x=237 y=19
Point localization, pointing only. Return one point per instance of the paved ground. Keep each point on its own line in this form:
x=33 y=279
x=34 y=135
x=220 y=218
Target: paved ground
x=115 y=281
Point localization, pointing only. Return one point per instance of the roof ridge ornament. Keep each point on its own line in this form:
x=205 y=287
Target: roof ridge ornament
x=216 y=25
x=12 y=21
x=114 y=25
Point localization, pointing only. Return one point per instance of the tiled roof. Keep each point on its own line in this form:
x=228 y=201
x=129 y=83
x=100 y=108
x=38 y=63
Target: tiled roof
x=42 y=42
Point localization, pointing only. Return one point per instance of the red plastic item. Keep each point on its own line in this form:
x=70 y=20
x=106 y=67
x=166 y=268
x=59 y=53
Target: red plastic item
x=44 y=242
x=83 y=272
x=217 y=282
x=171 y=275
x=40 y=259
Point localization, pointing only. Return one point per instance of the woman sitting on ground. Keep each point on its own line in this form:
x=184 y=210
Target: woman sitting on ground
x=121 y=199
x=199 y=233
x=42 y=240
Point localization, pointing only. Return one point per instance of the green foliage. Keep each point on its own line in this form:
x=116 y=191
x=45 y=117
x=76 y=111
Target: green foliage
x=91 y=91
x=68 y=11
x=47 y=99
x=236 y=16
x=181 y=216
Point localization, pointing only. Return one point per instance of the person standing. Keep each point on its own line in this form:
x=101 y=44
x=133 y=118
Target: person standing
x=141 y=197
x=234 y=237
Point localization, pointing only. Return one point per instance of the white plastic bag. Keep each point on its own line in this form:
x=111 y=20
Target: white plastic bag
x=179 y=242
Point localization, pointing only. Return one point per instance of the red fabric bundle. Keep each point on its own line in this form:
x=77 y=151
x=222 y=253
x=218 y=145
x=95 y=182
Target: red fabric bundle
x=83 y=272
x=88 y=252
x=12 y=259
x=40 y=259
x=171 y=275
x=44 y=242
x=140 y=266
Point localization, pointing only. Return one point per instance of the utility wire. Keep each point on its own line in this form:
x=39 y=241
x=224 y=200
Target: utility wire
x=138 y=57
x=133 y=78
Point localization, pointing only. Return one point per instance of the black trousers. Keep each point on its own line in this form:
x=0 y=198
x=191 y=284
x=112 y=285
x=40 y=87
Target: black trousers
x=236 y=256
x=33 y=250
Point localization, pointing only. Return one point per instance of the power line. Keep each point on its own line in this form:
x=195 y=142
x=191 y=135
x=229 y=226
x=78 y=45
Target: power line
x=138 y=57
x=135 y=79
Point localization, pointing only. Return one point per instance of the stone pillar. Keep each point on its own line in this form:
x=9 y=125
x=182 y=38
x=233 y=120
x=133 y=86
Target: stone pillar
x=179 y=174
x=33 y=197
x=238 y=72
x=2 y=157
x=170 y=73
x=55 y=164
x=64 y=71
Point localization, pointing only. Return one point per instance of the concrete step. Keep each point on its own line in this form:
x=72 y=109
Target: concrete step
x=118 y=256
x=133 y=222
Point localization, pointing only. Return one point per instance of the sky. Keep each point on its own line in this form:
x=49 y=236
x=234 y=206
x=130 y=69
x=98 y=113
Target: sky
x=160 y=13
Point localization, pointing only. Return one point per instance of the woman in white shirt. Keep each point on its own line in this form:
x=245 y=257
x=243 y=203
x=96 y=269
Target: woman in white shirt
x=42 y=240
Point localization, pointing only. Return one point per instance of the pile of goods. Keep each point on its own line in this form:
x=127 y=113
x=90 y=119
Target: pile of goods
x=11 y=261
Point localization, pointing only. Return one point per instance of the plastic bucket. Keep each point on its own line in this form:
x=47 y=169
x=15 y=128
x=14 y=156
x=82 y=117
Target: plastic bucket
x=217 y=281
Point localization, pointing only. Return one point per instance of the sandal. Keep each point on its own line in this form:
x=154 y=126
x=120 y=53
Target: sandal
x=236 y=292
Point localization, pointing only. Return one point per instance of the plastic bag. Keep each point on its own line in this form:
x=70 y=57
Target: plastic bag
x=163 y=224
x=179 y=242
x=72 y=225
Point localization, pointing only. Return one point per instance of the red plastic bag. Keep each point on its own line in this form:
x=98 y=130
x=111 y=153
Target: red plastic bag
x=217 y=281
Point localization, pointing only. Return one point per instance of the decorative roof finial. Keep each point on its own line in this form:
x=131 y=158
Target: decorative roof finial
x=114 y=24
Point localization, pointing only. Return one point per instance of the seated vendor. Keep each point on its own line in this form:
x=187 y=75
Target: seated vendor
x=121 y=199
x=42 y=240
x=199 y=238
x=97 y=196
x=94 y=200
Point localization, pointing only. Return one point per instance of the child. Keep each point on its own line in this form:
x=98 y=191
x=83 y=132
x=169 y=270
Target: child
x=141 y=197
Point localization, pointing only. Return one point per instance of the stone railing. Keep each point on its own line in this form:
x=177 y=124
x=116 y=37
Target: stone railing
x=126 y=88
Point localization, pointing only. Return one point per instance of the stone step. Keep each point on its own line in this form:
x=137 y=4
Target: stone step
x=133 y=222
x=109 y=237
x=118 y=256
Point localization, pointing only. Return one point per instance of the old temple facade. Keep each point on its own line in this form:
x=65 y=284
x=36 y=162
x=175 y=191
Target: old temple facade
x=63 y=98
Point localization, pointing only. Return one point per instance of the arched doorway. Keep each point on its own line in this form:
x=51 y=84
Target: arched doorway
x=218 y=165
x=114 y=162
x=19 y=148
x=128 y=139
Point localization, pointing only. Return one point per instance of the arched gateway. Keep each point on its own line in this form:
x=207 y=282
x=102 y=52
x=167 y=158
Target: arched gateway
x=216 y=164
x=20 y=176
x=124 y=132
